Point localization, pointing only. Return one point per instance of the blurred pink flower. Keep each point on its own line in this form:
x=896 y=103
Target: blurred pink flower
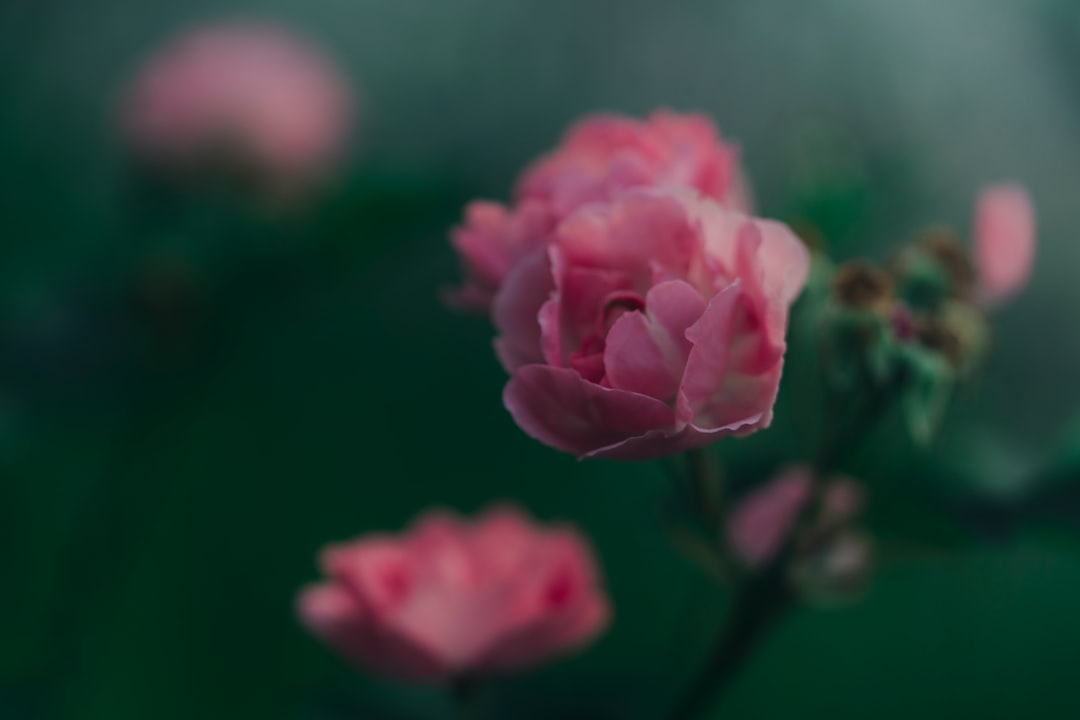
x=648 y=326
x=762 y=520
x=451 y=598
x=1004 y=242
x=598 y=158
x=253 y=91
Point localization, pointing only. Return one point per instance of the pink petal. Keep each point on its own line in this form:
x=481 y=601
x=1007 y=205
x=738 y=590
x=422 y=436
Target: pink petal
x=785 y=259
x=377 y=571
x=516 y=311
x=643 y=230
x=1004 y=241
x=707 y=363
x=331 y=613
x=483 y=241
x=580 y=306
x=646 y=352
x=562 y=608
x=559 y=408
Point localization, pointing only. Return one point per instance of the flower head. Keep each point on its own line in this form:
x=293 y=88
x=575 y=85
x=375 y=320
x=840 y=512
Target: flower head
x=450 y=597
x=649 y=325
x=249 y=94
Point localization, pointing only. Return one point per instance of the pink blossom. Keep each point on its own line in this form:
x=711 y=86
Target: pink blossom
x=598 y=158
x=1004 y=242
x=648 y=326
x=451 y=598
x=264 y=97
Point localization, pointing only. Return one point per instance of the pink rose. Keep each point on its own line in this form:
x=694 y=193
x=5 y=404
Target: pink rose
x=648 y=326
x=597 y=159
x=270 y=101
x=450 y=598
x=1004 y=242
x=761 y=521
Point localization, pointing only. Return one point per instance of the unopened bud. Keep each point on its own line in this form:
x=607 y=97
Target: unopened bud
x=862 y=286
x=959 y=333
x=944 y=247
x=838 y=570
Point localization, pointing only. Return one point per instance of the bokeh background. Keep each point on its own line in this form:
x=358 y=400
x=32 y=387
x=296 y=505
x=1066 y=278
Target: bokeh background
x=195 y=396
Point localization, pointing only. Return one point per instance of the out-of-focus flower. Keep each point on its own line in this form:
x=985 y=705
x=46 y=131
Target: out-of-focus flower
x=451 y=598
x=604 y=154
x=648 y=326
x=248 y=97
x=598 y=158
x=1004 y=230
x=762 y=520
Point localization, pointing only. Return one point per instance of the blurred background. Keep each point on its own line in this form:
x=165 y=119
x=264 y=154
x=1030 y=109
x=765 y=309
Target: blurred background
x=197 y=391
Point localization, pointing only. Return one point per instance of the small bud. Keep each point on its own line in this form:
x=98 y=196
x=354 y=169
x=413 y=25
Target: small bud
x=959 y=333
x=945 y=248
x=862 y=286
x=838 y=570
x=934 y=333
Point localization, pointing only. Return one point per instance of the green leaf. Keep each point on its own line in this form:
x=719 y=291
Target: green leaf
x=926 y=391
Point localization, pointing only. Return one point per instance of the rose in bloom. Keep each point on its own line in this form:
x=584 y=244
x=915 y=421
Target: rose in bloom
x=450 y=598
x=1004 y=242
x=762 y=520
x=648 y=326
x=264 y=98
x=597 y=159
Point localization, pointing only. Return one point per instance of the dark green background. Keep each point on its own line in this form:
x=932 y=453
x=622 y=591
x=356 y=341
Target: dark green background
x=195 y=397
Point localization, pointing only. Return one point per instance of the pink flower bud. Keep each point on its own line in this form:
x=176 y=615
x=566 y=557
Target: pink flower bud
x=762 y=520
x=450 y=598
x=1004 y=242
x=246 y=93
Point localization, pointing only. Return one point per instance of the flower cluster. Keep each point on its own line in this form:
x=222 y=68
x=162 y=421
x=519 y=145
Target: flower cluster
x=641 y=311
x=920 y=324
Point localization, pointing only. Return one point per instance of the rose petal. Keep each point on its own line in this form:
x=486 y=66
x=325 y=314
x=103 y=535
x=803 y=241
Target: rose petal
x=646 y=352
x=516 y=311
x=557 y=407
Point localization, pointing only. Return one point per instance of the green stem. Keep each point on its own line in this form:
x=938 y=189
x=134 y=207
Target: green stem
x=759 y=605
x=466 y=694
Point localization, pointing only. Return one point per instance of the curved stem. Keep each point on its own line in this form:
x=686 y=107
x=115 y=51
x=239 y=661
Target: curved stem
x=763 y=602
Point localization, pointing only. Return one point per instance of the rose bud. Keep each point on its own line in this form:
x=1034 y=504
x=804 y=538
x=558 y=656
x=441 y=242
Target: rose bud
x=599 y=157
x=763 y=519
x=1004 y=231
x=649 y=326
x=450 y=598
x=249 y=99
